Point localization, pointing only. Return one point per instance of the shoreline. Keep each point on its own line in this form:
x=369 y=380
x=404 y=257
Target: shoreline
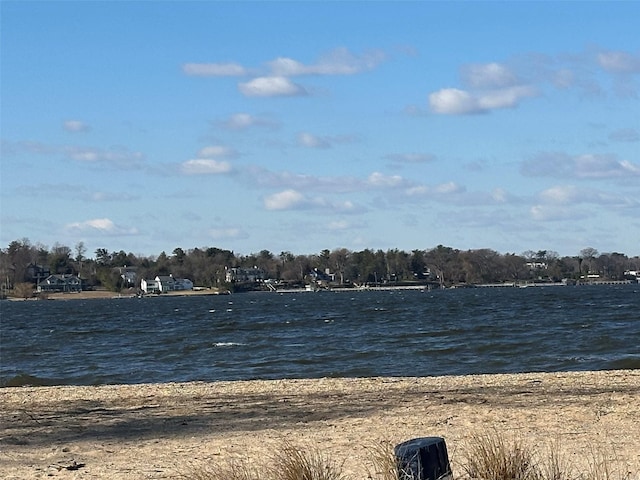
x=105 y=294
x=166 y=430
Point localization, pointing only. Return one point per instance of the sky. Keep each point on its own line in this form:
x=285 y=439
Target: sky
x=303 y=126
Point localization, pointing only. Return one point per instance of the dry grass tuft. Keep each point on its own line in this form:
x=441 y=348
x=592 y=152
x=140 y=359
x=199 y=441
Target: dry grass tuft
x=229 y=470
x=603 y=467
x=554 y=465
x=292 y=463
x=486 y=457
x=492 y=457
x=384 y=465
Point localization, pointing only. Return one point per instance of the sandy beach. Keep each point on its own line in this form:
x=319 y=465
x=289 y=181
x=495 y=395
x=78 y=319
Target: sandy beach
x=154 y=431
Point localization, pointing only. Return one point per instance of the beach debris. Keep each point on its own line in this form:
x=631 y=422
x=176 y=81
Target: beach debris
x=74 y=466
x=423 y=458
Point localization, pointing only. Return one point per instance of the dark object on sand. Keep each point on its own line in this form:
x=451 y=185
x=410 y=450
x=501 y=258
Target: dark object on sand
x=423 y=459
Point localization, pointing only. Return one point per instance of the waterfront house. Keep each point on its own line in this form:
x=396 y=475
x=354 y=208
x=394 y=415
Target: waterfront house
x=60 y=283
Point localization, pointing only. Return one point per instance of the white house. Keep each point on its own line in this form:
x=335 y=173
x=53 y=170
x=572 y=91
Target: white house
x=165 y=283
x=149 y=286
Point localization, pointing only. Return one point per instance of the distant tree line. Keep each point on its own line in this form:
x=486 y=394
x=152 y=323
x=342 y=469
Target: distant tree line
x=206 y=266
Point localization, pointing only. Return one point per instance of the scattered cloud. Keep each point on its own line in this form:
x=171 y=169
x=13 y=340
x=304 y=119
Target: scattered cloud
x=338 y=225
x=410 y=157
x=573 y=195
x=214 y=69
x=339 y=61
x=555 y=214
x=243 y=121
x=625 y=135
x=75 y=126
x=100 y=226
x=309 y=140
x=453 y=101
x=437 y=191
x=379 y=180
x=488 y=76
x=619 y=62
x=271 y=87
x=119 y=157
x=587 y=166
x=295 y=200
x=285 y=200
x=217 y=151
x=312 y=141
x=224 y=233
x=205 y=166
x=116 y=157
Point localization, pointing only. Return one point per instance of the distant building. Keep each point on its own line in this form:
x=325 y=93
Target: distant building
x=36 y=273
x=165 y=283
x=128 y=274
x=60 y=283
x=254 y=274
x=149 y=286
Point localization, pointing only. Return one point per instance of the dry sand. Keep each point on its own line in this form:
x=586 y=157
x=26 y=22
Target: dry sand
x=168 y=430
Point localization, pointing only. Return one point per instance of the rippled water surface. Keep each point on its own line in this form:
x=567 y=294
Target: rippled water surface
x=310 y=335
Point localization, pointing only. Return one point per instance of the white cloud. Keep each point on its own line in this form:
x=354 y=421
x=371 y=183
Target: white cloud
x=453 y=101
x=117 y=157
x=214 y=69
x=377 y=179
x=75 y=126
x=553 y=213
x=594 y=166
x=619 y=62
x=337 y=225
x=625 y=135
x=285 y=200
x=488 y=76
x=217 y=151
x=294 y=200
x=276 y=86
x=205 y=166
x=410 y=157
x=449 y=188
x=437 y=191
x=504 y=98
x=100 y=226
x=312 y=141
x=222 y=233
x=337 y=62
x=242 y=121
x=561 y=194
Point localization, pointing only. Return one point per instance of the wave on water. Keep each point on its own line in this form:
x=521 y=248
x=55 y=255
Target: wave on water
x=630 y=362
x=24 y=380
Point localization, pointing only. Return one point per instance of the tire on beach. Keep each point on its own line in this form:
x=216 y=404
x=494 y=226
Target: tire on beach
x=423 y=458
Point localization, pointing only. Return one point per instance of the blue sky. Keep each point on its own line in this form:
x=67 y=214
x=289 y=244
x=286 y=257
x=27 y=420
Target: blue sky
x=299 y=126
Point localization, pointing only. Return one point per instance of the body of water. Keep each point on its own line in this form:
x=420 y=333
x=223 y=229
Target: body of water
x=323 y=334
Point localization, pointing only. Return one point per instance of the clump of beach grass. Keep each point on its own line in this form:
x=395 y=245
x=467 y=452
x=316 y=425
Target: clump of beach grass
x=293 y=463
x=490 y=456
x=384 y=465
x=487 y=456
x=227 y=470
x=287 y=462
